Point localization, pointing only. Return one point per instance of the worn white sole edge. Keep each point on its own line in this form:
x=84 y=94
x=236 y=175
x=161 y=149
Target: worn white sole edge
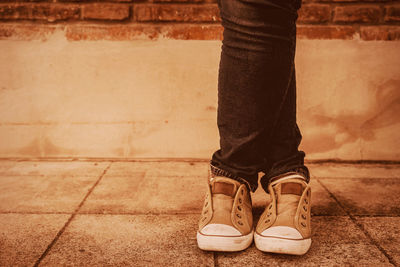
x=224 y=243
x=282 y=245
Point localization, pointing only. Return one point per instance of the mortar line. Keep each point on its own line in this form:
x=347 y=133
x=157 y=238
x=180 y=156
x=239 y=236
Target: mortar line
x=360 y=226
x=49 y=247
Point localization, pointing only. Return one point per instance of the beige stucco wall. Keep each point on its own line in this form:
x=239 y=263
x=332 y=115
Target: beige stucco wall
x=157 y=99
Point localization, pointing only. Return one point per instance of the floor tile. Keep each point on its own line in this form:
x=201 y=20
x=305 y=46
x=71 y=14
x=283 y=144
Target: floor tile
x=55 y=168
x=129 y=240
x=336 y=242
x=35 y=194
x=143 y=193
x=334 y=170
x=368 y=196
x=322 y=202
x=24 y=237
x=386 y=232
x=160 y=168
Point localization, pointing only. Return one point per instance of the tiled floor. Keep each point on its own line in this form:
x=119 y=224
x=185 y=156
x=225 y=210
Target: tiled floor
x=145 y=214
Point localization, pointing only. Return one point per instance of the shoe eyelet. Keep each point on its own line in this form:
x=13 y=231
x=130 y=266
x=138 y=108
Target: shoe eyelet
x=204 y=218
x=240 y=200
x=206 y=211
x=205 y=205
x=238 y=215
x=304 y=208
x=303 y=216
x=306 y=201
x=242 y=192
x=270 y=207
x=267 y=221
x=239 y=208
x=303 y=224
x=240 y=222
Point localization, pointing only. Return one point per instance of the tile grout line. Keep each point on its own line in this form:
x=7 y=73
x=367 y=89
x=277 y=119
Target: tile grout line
x=215 y=259
x=360 y=226
x=44 y=254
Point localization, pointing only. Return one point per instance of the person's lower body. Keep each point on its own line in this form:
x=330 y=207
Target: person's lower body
x=257 y=101
x=257 y=91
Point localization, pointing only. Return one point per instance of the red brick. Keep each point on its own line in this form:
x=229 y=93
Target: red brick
x=39 y=11
x=192 y=32
x=386 y=33
x=184 y=1
x=357 y=13
x=105 y=11
x=392 y=13
x=325 y=32
x=19 y=1
x=26 y=32
x=88 y=1
x=345 y=1
x=76 y=32
x=6 y=32
x=179 y=13
x=55 y=12
x=311 y=13
x=15 y=11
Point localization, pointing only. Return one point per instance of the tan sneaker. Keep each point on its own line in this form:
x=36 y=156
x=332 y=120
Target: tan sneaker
x=226 y=222
x=284 y=227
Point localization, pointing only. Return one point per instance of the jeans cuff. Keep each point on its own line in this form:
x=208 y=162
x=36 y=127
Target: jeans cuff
x=215 y=171
x=302 y=170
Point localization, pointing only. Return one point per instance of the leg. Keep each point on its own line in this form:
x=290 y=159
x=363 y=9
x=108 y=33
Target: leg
x=256 y=67
x=282 y=154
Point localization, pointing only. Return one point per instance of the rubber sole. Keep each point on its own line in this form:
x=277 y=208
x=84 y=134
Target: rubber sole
x=282 y=245
x=224 y=243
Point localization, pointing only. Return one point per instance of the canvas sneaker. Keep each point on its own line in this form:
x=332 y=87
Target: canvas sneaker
x=284 y=227
x=226 y=222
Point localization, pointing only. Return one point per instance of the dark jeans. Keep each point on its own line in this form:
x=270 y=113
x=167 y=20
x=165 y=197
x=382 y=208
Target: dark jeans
x=257 y=92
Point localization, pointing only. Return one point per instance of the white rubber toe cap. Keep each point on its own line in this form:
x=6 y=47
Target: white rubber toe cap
x=220 y=230
x=283 y=232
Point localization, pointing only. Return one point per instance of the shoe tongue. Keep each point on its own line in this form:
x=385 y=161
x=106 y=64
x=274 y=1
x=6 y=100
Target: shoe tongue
x=288 y=195
x=225 y=186
x=288 y=191
x=291 y=188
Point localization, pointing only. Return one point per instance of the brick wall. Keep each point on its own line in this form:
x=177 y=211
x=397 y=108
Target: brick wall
x=187 y=19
